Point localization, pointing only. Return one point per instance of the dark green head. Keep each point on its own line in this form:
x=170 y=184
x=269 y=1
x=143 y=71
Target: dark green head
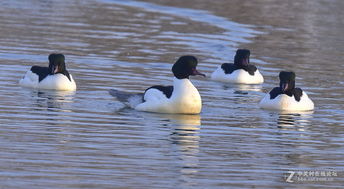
x=185 y=66
x=287 y=81
x=242 y=57
x=56 y=63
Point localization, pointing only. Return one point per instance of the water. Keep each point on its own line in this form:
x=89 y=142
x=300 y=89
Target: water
x=87 y=139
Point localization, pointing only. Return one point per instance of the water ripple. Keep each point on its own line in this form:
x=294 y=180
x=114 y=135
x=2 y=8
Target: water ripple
x=86 y=138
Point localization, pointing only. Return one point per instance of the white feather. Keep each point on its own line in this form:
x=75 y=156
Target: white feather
x=287 y=103
x=54 y=82
x=185 y=99
x=237 y=76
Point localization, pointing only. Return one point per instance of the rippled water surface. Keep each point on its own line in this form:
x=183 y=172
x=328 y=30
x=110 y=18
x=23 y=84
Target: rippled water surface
x=87 y=139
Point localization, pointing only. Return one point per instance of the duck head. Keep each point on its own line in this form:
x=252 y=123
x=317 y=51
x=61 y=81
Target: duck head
x=186 y=66
x=287 y=81
x=57 y=64
x=242 y=57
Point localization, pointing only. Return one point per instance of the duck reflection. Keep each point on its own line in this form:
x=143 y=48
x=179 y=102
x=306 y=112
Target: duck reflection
x=185 y=140
x=53 y=100
x=299 y=120
x=185 y=134
x=184 y=120
x=51 y=109
x=242 y=88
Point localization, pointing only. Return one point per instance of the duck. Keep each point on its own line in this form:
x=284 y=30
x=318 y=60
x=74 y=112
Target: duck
x=287 y=97
x=54 y=77
x=241 y=72
x=180 y=98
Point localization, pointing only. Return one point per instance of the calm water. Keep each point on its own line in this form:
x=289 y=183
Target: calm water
x=88 y=139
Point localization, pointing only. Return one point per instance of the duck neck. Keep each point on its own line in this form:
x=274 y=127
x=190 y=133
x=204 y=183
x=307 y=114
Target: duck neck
x=182 y=87
x=179 y=83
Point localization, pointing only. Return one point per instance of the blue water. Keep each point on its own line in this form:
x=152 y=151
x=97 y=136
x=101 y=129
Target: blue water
x=87 y=139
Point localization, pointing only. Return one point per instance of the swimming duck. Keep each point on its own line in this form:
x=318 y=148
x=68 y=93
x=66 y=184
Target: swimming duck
x=286 y=96
x=55 y=77
x=181 y=98
x=240 y=72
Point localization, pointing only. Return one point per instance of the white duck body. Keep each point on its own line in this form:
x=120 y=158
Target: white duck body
x=53 y=82
x=237 y=76
x=185 y=99
x=288 y=103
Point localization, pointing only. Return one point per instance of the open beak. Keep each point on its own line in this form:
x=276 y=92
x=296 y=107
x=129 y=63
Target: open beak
x=284 y=87
x=196 y=72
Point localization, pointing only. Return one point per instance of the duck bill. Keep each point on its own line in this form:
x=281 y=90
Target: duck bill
x=196 y=72
x=284 y=87
x=245 y=62
x=54 y=69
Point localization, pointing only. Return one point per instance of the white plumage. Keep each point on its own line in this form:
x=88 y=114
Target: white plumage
x=238 y=76
x=54 y=77
x=185 y=99
x=287 y=103
x=52 y=82
x=181 y=98
x=287 y=97
x=241 y=71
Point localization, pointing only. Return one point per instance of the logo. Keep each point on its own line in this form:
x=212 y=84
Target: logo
x=291 y=174
x=311 y=176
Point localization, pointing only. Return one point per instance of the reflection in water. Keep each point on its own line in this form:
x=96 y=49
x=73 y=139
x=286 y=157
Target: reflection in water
x=184 y=120
x=185 y=141
x=294 y=120
x=54 y=100
x=67 y=141
x=242 y=88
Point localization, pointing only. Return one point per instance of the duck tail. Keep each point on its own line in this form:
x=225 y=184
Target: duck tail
x=130 y=99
